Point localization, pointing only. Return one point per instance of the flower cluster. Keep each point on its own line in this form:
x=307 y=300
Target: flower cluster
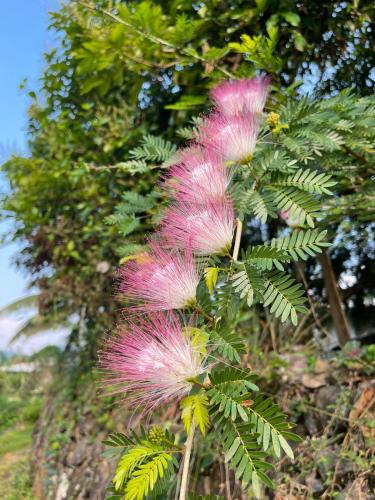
x=153 y=360
x=160 y=280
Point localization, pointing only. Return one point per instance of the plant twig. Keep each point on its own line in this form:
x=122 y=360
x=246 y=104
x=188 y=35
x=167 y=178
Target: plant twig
x=155 y=39
x=237 y=242
x=227 y=482
x=186 y=463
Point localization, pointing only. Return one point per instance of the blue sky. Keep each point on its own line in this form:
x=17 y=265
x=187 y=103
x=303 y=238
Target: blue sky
x=23 y=40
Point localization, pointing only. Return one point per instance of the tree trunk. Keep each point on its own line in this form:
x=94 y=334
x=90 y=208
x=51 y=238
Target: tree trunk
x=337 y=307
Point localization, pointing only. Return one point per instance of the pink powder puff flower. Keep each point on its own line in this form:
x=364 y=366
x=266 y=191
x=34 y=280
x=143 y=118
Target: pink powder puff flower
x=241 y=96
x=151 y=362
x=232 y=137
x=206 y=229
x=199 y=176
x=160 y=280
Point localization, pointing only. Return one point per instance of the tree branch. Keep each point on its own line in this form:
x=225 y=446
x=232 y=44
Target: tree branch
x=153 y=38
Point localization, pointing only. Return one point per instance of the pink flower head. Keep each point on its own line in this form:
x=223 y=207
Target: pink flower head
x=207 y=229
x=232 y=137
x=152 y=362
x=199 y=176
x=241 y=96
x=160 y=280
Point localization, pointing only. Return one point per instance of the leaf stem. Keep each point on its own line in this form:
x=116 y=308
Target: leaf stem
x=204 y=314
x=238 y=240
x=186 y=463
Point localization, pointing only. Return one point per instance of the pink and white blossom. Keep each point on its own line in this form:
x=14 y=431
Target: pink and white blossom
x=241 y=96
x=160 y=280
x=199 y=176
x=231 y=137
x=206 y=229
x=151 y=362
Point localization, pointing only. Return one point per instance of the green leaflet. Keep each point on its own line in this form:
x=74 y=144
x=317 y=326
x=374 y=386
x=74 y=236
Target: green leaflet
x=301 y=244
x=194 y=409
x=271 y=426
x=226 y=342
x=154 y=149
x=311 y=181
x=285 y=295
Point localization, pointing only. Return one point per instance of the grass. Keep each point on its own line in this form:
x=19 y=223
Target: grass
x=15 y=449
x=16 y=439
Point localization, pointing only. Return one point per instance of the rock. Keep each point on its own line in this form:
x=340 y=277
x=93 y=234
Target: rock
x=79 y=453
x=327 y=397
x=311 y=423
x=321 y=366
x=358 y=490
x=326 y=460
x=313 y=381
x=297 y=365
x=315 y=485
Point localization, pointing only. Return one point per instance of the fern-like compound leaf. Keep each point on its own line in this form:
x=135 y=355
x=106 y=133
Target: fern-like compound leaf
x=308 y=180
x=285 y=295
x=301 y=244
x=266 y=257
x=194 y=409
x=298 y=204
x=226 y=342
x=248 y=283
x=271 y=426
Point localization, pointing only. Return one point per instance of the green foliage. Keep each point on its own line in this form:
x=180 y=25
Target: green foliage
x=247 y=426
x=229 y=393
x=242 y=380
x=300 y=206
x=198 y=338
x=154 y=149
x=229 y=399
x=225 y=341
x=27 y=302
x=301 y=244
x=241 y=450
x=146 y=465
x=17 y=438
x=273 y=288
x=227 y=304
x=285 y=295
x=260 y=50
x=248 y=283
x=265 y=258
x=306 y=180
x=194 y=411
x=271 y=426
x=118 y=439
x=261 y=204
x=146 y=476
x=210 y=276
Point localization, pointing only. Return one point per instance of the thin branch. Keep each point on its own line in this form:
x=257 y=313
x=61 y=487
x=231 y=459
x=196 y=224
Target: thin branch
x=227 y=481
x=237 y=242
x=186 y=464
x=150 y=64
x=153 y=38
